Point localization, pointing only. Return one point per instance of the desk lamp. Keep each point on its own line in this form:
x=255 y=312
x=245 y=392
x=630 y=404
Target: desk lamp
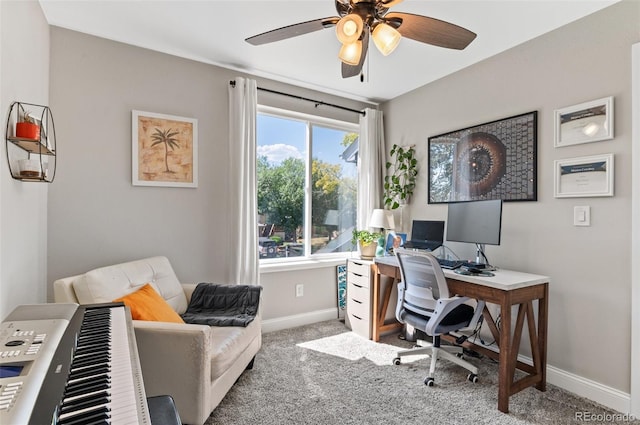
x=381 y=219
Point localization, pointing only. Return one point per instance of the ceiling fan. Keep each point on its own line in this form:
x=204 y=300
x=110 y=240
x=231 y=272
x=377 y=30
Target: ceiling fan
x=361 y=19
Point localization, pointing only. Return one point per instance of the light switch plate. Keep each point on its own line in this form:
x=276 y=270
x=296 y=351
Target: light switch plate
x=582 y=216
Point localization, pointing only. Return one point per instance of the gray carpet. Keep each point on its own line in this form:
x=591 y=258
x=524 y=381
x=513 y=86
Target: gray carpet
x=325 y=374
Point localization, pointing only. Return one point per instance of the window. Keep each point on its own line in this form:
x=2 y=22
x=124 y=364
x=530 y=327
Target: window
x=307 y=184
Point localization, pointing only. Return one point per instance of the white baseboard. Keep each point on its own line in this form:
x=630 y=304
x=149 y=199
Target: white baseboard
x=271 y=325
x=592 y=390
x=595 y=391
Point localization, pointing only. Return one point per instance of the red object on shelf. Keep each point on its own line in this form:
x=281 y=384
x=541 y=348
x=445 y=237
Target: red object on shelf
x=27 y=130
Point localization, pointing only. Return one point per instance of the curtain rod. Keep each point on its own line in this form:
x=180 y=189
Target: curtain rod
x=317 y=102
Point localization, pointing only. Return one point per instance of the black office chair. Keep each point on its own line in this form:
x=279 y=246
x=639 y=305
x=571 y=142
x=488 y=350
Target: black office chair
x=425 y=304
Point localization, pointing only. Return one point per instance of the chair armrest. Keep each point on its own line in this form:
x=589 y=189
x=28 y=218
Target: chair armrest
x=176 y=361
x=188 y=289
x=444 y=306
x=63 y=290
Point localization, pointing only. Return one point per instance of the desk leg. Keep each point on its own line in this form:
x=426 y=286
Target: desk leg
x=543 y=306
x=506 y=365
x=375 y=332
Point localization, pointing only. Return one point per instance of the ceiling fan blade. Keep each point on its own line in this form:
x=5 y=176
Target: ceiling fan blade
x=349 y=71
x=430 y=30
x=389 y=3
x=292 y=31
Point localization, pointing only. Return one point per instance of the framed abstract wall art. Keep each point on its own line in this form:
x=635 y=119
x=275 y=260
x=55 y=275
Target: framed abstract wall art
x=164 y=150
x=495 y=160
x=584 y=123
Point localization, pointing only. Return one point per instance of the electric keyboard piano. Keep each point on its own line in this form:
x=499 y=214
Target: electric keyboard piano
x=66 y=364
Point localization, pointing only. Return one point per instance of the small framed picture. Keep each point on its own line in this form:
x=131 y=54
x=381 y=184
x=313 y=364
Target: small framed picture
x=584 y=123
x=394 y=240
x=164 y=150
x=586 y=176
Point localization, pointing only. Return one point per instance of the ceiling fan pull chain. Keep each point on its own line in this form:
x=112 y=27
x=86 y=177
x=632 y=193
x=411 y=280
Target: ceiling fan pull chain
x=364 y=76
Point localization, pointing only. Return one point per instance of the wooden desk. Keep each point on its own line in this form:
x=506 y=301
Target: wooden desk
x=506 y=289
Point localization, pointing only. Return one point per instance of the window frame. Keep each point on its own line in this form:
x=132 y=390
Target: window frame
x=309 y=120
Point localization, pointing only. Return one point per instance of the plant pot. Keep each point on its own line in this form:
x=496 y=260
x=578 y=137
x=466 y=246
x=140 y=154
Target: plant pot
x=368 y=251
x=27 y=130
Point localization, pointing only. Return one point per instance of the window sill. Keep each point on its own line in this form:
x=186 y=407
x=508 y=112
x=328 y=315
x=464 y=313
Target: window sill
x=275 y=266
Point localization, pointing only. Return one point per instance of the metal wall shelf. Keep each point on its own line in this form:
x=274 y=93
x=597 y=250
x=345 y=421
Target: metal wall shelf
x=41 y=151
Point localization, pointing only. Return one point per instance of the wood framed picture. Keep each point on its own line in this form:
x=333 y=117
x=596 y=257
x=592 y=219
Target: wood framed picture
x=584 y=123
x=164 y=150
x=494 y=160
x=585 y=176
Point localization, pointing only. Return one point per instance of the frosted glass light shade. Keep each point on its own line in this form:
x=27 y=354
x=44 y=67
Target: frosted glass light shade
x=349 y=28
x=386 y=38
x=350 y=53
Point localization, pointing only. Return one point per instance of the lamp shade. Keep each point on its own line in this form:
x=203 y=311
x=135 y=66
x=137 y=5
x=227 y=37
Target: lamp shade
x=350 y=53
x=349 y=28
x=386 y=38
x=382 y=219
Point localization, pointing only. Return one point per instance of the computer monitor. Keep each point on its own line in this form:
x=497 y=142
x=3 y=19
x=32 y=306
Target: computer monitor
x=477 y=222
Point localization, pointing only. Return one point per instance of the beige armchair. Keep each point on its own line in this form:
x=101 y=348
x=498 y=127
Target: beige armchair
x=195 y=364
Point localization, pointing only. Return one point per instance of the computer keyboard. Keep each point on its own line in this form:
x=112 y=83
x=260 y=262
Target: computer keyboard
x=450 y=264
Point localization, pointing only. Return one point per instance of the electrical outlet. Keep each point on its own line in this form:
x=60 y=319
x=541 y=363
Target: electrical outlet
x=299 y=290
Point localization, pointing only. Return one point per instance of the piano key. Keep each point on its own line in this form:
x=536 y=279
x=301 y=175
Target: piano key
x=83 y=416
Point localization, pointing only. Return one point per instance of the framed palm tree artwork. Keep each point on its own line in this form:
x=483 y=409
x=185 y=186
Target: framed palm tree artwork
x=164 y=150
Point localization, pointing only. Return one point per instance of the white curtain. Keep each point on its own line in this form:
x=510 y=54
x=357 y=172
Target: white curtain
x=242 y=193
x=371 y=171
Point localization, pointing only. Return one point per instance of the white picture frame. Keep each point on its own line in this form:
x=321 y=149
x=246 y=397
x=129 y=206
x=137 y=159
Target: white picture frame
x=586 y=176
x=164 y=150
x=584 y=123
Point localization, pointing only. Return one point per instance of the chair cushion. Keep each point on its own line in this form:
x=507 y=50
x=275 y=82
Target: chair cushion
x=105 y=284
x=461 y=314
x=458 y=318
x=228 y=343
x=147 y=304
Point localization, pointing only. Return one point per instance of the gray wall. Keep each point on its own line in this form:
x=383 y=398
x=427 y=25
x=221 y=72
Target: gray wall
x=589 y=318
x=23 y=206
x=96 y=216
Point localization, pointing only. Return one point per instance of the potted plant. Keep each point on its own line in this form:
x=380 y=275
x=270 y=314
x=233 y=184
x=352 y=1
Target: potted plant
x=401 y=178
x=367 y=241
x=26 y=127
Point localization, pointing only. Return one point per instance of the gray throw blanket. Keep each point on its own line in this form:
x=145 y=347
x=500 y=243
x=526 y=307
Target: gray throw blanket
x=223 y=305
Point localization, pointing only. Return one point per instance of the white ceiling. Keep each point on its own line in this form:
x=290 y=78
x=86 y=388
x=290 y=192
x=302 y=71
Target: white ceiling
x=213 y=31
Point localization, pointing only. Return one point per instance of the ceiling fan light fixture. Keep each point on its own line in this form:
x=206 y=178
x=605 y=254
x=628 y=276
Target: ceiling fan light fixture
x=386 y=38
x=350 y=53
x=349 y=28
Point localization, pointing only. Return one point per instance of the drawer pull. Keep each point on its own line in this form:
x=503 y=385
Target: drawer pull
x=357 y=286
x=356 y=301
x=359 y=318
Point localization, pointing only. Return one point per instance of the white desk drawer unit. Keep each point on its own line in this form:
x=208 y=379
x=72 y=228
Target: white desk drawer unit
x=358 y=318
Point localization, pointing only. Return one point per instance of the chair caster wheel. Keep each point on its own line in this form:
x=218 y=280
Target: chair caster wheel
x=472 y=377
x=396 y=361
x=429 y=382
x=459 y=355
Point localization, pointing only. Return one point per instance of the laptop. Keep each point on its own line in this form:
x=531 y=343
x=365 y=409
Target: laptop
x=426 y=234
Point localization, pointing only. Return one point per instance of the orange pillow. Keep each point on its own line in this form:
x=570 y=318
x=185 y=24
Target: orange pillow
x=147 y=304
